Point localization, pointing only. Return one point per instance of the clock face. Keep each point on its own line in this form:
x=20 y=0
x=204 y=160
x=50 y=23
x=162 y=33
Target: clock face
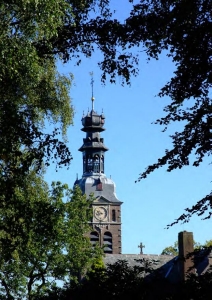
x=100 y=213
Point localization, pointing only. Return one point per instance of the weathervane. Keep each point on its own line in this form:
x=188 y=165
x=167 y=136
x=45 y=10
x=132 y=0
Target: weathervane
x=92 y=82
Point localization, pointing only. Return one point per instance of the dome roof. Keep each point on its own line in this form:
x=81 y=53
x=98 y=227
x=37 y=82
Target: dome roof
x=93 y=121
x=89 y=185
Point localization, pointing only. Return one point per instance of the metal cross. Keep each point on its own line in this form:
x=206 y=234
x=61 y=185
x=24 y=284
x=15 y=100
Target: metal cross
x=141 y=246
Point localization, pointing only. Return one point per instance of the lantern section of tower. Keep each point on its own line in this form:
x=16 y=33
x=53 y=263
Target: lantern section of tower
x=93 y=148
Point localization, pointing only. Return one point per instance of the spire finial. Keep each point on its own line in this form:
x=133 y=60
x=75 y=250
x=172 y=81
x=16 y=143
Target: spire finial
x=92 y=82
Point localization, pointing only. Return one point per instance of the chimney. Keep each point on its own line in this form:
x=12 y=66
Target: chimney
x=185 y=246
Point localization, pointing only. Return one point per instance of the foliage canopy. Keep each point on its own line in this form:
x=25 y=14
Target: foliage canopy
x=183 y=30
x=173 y=250
x=44 y=230
x=34 y=35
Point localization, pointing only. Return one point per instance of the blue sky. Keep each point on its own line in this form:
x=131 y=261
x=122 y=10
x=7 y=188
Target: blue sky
x=133 y=144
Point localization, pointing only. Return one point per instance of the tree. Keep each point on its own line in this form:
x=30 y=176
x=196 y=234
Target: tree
x=115 y=281
x=182 y=29
x=173 y=250
x=208 y=243
x=35 y=34
x=52 y=246
x=38 y=237
x=195 y=288
x=32 y=92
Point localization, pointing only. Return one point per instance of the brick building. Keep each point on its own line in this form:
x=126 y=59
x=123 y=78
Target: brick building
x=106 y=221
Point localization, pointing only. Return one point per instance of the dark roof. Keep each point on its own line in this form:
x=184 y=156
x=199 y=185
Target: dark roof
x=88 y=186
x=166 y=266
x=93 y=122
x=131 y=258
x=163 y=262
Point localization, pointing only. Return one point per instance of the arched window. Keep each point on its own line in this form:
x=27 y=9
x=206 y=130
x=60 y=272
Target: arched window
x=113 y=215
x=84 y=162
x=94 y=238
x=96 y=163
x=108 y=242
x=90 y=164
x=102 y=164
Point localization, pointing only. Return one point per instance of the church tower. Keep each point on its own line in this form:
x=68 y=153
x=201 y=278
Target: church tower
x=106 y=220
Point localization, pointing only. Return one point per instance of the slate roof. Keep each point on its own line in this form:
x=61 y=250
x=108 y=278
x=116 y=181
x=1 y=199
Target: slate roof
x=166 y=265
x=160 y=260
x=203 y=260
x=88 y=186
x=163 y=263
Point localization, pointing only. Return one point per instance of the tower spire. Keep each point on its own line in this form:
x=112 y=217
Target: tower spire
x=92 y=97
x=106 y=220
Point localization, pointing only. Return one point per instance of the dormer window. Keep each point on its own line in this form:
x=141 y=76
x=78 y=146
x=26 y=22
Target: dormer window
x=99 y=186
